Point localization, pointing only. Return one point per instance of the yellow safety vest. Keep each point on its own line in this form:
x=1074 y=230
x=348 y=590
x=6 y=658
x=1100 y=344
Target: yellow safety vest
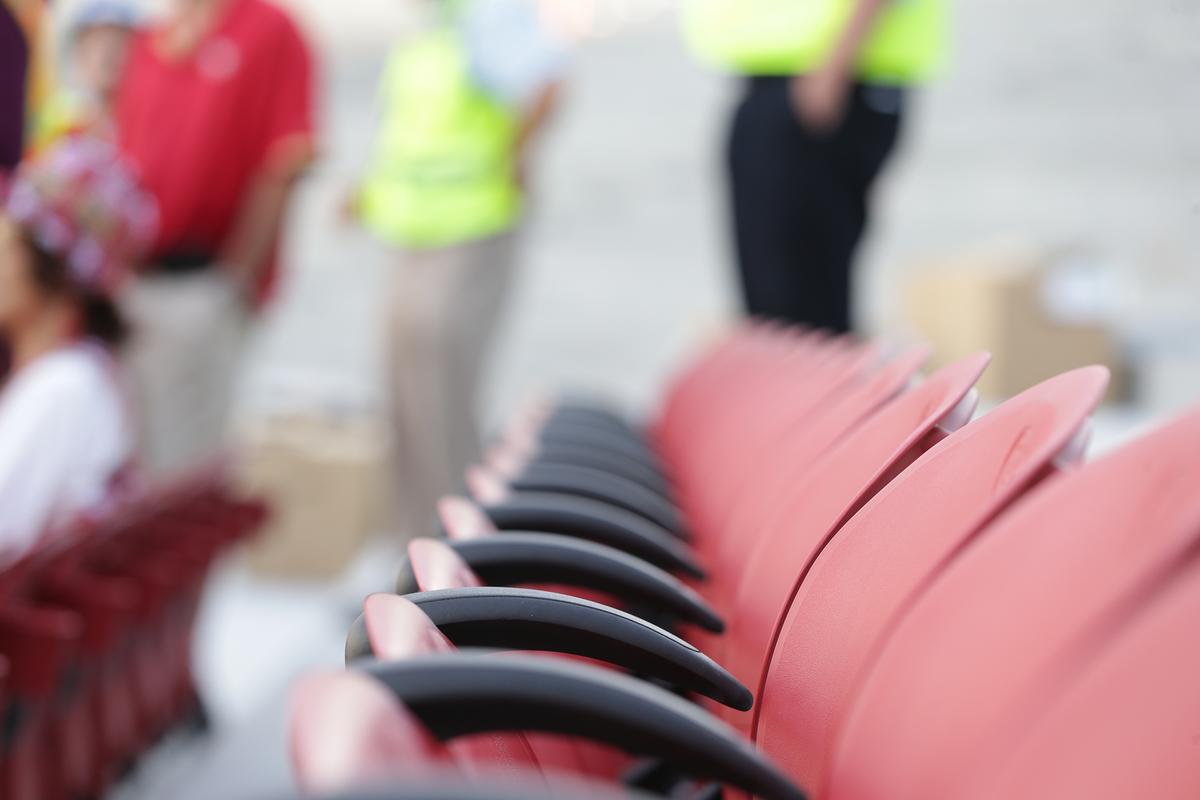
x=791 y=37
x=443 y=171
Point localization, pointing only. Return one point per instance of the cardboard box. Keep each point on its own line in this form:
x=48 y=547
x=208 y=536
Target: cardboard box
x=323 y=476
x=995 y=299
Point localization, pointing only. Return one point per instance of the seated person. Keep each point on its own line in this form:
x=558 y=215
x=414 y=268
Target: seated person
x=71 y=225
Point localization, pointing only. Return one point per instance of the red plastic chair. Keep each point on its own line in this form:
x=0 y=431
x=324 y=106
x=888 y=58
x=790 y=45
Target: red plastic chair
x=595 y=438
x=465 y=521
x=473 y=693
x=398 y=630
x=1126 y=727
x=96 y=728
x=742 y=390
x=1019 y=629
x=882 y=558
x=346 y=730
x=852 y=473
x=716 y=378
x=129 y=585
x=3 y=707
x=711 y=473
x=796 y=455
x=350 y=738
x=39 y=644
x=435 y=567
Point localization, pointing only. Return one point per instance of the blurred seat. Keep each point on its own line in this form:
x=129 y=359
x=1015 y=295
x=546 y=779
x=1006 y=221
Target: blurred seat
x=1053 y=655
x=471 y=694
x=97 y=624
x=881 y=560
x=927 y=606
x=849 y=476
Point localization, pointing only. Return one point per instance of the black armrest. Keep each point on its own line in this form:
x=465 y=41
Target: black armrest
x=594 y=484
x=617 y=464
x=656 y=777
x=528 y=619
x=595 y=522
x=464 y=694
x=501 y=786
x=588 y=418
x=516 y=559
x=591 y=437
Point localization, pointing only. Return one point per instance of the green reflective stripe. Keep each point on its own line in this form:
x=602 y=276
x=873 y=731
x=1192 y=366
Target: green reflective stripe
x=443 y=169
x=788 y=37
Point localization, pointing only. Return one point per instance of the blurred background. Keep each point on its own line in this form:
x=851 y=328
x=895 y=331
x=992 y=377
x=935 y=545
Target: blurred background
x=1044 y=205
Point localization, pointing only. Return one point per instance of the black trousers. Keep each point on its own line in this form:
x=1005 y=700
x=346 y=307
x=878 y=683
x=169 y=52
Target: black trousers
x=800 y=200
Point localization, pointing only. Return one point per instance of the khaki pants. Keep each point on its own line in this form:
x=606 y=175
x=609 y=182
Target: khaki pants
x=189 y=334
x=442 y=312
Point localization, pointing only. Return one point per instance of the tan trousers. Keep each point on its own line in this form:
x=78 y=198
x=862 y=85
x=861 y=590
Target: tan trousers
x=442 y=313
x=189 y=335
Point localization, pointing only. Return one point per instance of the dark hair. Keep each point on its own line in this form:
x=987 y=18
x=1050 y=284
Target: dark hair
x=102 y=320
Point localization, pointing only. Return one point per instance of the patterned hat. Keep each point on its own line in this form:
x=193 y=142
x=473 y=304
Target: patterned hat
x=80 y=202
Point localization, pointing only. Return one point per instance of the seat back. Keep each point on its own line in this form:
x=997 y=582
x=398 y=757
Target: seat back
x=1002 y=635
x=818 y=505
x=712 y=473
x=867 y=575
x=798 y=453
x=718 y=378
x=1126 y=727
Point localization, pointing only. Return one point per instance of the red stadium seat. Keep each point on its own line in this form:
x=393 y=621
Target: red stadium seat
x=346 y=730
x=883 y=557
x=848 y=477
x=711 y=468
x=792 y=458
x=97 y=624
x=567 y=565
x=459 y=699
x=1125 y=726
x=1005 y=635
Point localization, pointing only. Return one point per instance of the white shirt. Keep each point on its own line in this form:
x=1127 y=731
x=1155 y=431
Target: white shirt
x=64 y=438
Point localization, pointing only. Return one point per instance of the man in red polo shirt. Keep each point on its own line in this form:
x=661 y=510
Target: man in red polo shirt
x=216 y=110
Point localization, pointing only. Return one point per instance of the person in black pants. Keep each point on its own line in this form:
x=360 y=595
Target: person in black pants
x=800 y=196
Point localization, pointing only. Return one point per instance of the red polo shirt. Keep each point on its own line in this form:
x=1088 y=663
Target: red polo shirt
x=202 y=125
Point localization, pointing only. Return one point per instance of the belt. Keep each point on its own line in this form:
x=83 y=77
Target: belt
x=759 y=82
x=183 y=262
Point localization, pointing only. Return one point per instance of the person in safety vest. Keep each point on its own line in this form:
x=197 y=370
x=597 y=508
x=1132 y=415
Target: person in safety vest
x=461 y=102
x=94 y=51
x=825 y=93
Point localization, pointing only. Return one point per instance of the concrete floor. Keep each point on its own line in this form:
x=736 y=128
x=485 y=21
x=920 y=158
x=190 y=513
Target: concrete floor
x=1072 y=122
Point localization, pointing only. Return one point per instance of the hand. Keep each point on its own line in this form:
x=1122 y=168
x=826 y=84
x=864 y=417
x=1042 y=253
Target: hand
x=349 y=207
x=819 y=99
x=241 y=283
x=521 y=169
x=521 y=177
